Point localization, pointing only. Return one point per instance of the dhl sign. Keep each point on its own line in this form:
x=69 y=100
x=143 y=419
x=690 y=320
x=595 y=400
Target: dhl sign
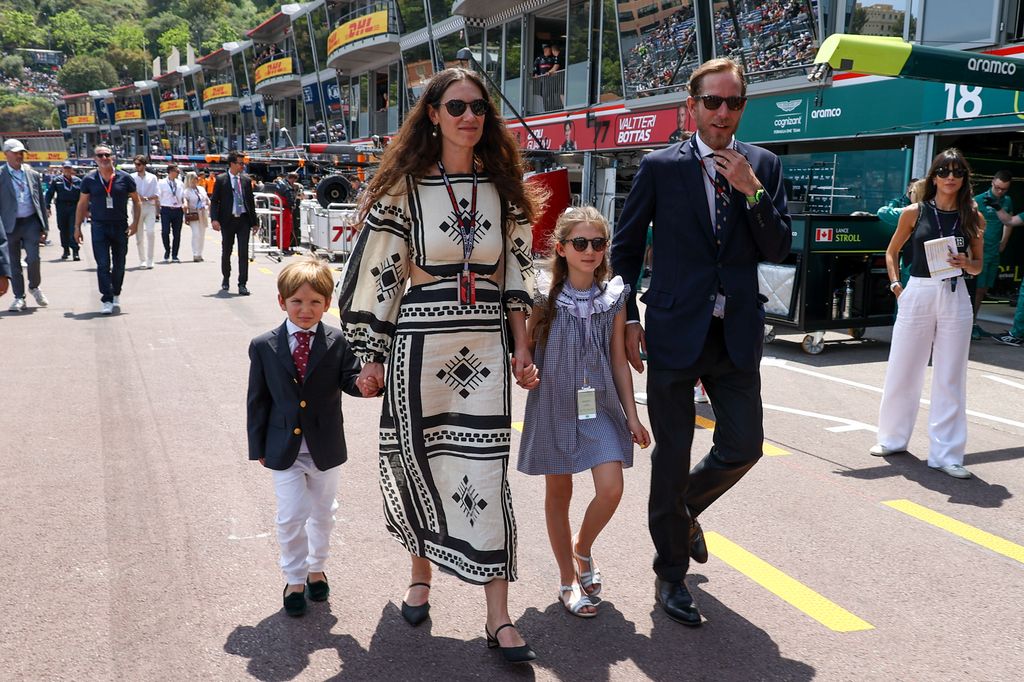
x=45 y=157
x=357 y=29
x=218 y=91
x=172 y=105
x=128 y=115
x=87 y=120
x=278 y=67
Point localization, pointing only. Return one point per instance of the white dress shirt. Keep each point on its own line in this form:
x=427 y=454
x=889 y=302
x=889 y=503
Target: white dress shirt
x=709 y=164
x=170 y=192
x=145 y=186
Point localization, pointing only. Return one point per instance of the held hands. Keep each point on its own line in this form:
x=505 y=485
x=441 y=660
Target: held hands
x=370 y=381
x=736 y=169
x=640 y=435
x=526 y=373
x=636 y=342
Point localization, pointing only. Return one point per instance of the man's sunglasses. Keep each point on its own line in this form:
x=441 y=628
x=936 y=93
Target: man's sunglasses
x=945 y=172
x=457 y=107
x=103 y=155
x=580 y=243
x=712 y=102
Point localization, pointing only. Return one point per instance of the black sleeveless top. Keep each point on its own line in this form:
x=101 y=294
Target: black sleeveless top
x=933 y=223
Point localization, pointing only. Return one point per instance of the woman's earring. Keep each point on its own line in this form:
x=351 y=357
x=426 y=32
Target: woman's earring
x=437 y=128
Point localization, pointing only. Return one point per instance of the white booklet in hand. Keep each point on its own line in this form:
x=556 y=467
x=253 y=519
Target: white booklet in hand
x=938 y=252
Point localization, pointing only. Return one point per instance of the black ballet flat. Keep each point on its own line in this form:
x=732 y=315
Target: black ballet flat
x=512 y=654
x=414 y=615
x=318 y=590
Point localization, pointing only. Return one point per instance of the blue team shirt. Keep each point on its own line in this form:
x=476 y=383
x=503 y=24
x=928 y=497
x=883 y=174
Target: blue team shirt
x=96 y=188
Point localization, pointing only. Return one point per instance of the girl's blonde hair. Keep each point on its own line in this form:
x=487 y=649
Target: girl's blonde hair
x=559 y=268
x=191 y=180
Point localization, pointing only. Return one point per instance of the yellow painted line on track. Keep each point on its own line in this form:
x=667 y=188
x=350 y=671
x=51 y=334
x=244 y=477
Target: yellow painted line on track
x=518 y=426
x=790 y=590
x=266 y=271
x=335 y=312
x=960 y=529
x=767 y=449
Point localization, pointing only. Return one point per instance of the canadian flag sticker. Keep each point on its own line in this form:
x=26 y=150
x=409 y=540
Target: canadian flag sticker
x=823 y=234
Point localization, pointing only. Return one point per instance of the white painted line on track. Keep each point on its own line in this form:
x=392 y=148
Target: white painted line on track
x=784 y=364
x=845 y=424
x=1001 y=380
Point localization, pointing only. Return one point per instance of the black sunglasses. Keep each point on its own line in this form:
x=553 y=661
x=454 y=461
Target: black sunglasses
x=457 y=107
x=944 y=172
x=712 y=102
x=103 y=155
x=580 y=243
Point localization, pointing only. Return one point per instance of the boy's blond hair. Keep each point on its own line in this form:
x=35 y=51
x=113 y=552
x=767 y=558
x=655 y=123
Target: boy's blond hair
x=309 y=270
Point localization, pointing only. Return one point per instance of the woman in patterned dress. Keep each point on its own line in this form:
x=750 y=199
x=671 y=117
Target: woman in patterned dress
x=448 y=214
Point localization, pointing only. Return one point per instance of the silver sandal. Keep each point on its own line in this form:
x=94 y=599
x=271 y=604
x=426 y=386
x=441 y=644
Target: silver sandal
x=590 y=579
x=576 y=600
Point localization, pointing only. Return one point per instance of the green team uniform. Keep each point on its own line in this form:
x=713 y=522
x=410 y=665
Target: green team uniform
x=993 y=235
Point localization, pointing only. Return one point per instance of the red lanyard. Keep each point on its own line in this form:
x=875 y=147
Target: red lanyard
x=109 y=187
x=466 y=227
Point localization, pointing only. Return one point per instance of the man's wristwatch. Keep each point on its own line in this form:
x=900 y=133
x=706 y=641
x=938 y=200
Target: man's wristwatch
x=755 y=197
x=895 y=283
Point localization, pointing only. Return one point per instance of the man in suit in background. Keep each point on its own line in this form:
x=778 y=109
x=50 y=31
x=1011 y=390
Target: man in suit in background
x=233 y=214
x=718 y=207
x=24 y=216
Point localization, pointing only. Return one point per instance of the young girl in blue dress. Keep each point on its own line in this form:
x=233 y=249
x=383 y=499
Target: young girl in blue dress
x=582 y=416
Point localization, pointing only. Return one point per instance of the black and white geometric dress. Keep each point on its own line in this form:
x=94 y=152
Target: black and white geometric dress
x=445 y=427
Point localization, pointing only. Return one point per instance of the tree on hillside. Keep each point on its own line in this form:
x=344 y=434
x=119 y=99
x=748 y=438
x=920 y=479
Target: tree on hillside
x=176 y=36
x=72 y=33
x=84 y=73
x=18 y=29
x=129 y=64
x=128 y=35
x=25 y=113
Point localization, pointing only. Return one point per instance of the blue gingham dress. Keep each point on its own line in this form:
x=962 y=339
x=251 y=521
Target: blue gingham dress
x=554 y=441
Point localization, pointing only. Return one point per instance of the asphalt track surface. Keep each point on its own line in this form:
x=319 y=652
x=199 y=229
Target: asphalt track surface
x=138 y=540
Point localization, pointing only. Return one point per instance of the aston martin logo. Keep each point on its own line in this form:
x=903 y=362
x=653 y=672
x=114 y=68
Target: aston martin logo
x=789 y=105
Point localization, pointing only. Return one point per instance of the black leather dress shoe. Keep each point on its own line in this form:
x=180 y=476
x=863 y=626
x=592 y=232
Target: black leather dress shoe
x=225 y=285
x=675 y=599
x=242 y=291
x=294 y=603
x=318 y=590
x=698 y=547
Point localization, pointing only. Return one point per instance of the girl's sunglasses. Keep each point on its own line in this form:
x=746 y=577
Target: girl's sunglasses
x=944 y=172
x=580 y=243
x=457 y=107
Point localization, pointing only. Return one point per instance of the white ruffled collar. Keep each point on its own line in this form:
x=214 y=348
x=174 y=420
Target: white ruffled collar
x=580 y=303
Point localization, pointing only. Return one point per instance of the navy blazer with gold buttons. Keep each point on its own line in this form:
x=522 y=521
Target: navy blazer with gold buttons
x=281 y=409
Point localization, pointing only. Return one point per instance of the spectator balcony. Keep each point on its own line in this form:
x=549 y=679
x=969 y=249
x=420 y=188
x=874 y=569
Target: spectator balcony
x=481 y=9
x=83 y=122
x=174 y=108
x=545 y=93
x=364 y=39
x=278 y=76
x=219 y=95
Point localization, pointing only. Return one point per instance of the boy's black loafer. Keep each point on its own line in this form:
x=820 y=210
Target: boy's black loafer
x=294 y=603
x=318 y=590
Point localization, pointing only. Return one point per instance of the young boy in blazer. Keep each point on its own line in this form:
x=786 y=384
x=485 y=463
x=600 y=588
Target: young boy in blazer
x=296 y=375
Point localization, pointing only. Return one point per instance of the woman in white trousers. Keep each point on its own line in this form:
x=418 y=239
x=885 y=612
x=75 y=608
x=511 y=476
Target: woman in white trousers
x=934 y=318
x=198 y=201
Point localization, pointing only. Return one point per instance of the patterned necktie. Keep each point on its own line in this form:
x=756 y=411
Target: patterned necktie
x=722 y=197
x=236 y=190
x=301 y=353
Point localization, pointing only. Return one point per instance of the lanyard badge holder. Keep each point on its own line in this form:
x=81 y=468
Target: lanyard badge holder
x=467 y=230
x=586 y=396
x=109 y=188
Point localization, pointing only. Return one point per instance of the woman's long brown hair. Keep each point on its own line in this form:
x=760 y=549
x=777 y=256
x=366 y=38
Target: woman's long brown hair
x=954 y=158
x=572 y=217
x=414 y=151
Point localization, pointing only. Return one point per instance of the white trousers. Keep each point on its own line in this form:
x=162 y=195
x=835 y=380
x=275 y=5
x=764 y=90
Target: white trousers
x=199 y=233
x=305 y=517
x=931 y=318
x=145 y=238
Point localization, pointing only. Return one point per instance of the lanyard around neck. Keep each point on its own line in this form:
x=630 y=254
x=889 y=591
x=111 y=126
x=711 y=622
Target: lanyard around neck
x=466 y=226
x=721 y=193
x=938 y=222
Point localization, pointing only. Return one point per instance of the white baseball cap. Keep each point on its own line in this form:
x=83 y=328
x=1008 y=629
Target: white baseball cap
x=13 y=145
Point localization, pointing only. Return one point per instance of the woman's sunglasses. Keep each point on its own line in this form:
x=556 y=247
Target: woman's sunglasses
x=944 y=172
x=103 y=155
x=712 y=102
x=580 y=243
x=457 y=107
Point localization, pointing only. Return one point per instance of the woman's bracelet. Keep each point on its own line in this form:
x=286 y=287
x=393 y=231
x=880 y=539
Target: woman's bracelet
x=895 y=283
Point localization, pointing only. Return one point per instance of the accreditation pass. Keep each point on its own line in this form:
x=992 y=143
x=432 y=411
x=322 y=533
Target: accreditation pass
x=586 y=403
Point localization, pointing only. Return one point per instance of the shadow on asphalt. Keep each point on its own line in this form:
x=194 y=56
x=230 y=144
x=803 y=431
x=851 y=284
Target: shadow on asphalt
x=973 y=491
x=91 y=315
x=727 y=647
x=836 y=353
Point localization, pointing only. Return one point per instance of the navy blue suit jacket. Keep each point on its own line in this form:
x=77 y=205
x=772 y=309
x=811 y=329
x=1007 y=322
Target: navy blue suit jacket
x=691 y=264
x=281 y=409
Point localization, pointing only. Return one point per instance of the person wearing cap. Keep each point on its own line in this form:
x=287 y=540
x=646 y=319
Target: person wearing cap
x=65 y=188
x=544 y=64
x=24 y=216
x=105 y=195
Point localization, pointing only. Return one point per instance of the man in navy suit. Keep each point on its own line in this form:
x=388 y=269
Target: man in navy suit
x=718 y=208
